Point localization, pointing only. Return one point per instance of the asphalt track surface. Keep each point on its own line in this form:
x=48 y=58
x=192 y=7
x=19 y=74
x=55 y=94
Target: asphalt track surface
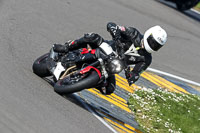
x=29 y=28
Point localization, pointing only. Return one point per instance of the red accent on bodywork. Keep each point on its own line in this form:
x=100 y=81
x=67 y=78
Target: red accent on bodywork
x=84 y=51
x=72 y=42
x=93 y=51
x=88 y=68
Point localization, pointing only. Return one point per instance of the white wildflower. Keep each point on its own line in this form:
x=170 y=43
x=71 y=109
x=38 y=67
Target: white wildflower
x=158 y=120
x=143 y=116
x=166 y=124
x=171 y=131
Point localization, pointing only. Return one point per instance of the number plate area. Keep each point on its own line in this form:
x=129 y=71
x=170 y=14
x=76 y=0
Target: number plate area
x=58 y=70
x=106 y=48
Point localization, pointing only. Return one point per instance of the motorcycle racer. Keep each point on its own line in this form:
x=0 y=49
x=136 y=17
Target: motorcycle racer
x=138 y=47
x=135 y=47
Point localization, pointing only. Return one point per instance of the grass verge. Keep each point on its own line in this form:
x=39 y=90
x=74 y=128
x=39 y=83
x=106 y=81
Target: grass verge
x=161 y=111
x=197 y=7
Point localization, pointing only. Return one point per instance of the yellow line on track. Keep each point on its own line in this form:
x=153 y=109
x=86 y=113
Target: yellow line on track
x=158 y=82
x=125 y=125
x=128 y=126
x=122 y=106
x=117 y=122
x=154 y=80
x=170 y=83
x=118 y=98
x=124 y=129
x=162 y=82
x=118 y=129
x=124 y=82
x=114 y=97
x=124 y=87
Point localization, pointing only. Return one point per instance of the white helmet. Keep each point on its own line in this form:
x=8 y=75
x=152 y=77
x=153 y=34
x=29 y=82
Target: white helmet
x=154 y=39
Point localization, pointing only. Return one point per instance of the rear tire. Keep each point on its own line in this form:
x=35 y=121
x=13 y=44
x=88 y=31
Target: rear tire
x=86 y=83
x=40 y=66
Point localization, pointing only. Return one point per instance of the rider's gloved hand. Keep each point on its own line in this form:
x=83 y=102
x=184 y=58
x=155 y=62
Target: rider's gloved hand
x=60 y=48
x=70 y=42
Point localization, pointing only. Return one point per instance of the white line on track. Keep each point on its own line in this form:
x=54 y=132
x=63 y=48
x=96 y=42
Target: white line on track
x=195 y=11
x=93 y=113
x=173 y=76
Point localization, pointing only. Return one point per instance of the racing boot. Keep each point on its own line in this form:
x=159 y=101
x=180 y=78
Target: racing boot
x=64 y=48
x=108 y=86
x=59 y=48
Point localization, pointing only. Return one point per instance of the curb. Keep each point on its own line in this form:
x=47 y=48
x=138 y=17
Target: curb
x=198 y=12
x=173 y=76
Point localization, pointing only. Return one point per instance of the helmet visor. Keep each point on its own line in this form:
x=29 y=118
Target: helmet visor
x=153 y=43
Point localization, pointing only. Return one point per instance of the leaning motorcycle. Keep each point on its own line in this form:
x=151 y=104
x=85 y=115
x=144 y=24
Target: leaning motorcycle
x=70 y=77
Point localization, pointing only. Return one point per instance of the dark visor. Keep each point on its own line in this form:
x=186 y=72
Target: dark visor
x=153 y=43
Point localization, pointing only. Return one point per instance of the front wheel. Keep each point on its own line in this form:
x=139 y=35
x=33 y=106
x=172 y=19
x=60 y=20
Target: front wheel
x=72 y=84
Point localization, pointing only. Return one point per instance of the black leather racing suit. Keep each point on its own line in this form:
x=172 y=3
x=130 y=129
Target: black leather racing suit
x=129 y=36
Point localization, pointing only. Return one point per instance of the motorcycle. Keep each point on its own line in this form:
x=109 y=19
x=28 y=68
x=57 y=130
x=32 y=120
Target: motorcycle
x=70 y=77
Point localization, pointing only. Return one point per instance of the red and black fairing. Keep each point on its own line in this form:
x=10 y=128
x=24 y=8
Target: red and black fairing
x=89 y=68
x=85 y=51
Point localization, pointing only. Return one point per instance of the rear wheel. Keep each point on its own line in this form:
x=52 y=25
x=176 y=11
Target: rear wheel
x=40 y=66
x=76 y=83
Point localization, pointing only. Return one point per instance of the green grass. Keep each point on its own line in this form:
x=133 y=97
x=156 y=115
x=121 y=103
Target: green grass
x=162 y=111
x=197 y=7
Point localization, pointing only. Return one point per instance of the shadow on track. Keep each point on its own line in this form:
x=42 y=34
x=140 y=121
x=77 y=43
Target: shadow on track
x=188 y=13
x=73 y=98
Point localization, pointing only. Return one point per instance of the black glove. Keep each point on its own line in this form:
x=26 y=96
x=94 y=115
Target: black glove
x=60 y=48
x=70 y=42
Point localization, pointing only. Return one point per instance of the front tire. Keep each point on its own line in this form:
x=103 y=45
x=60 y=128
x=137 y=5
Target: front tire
x=86 y=83
x=40 y=66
